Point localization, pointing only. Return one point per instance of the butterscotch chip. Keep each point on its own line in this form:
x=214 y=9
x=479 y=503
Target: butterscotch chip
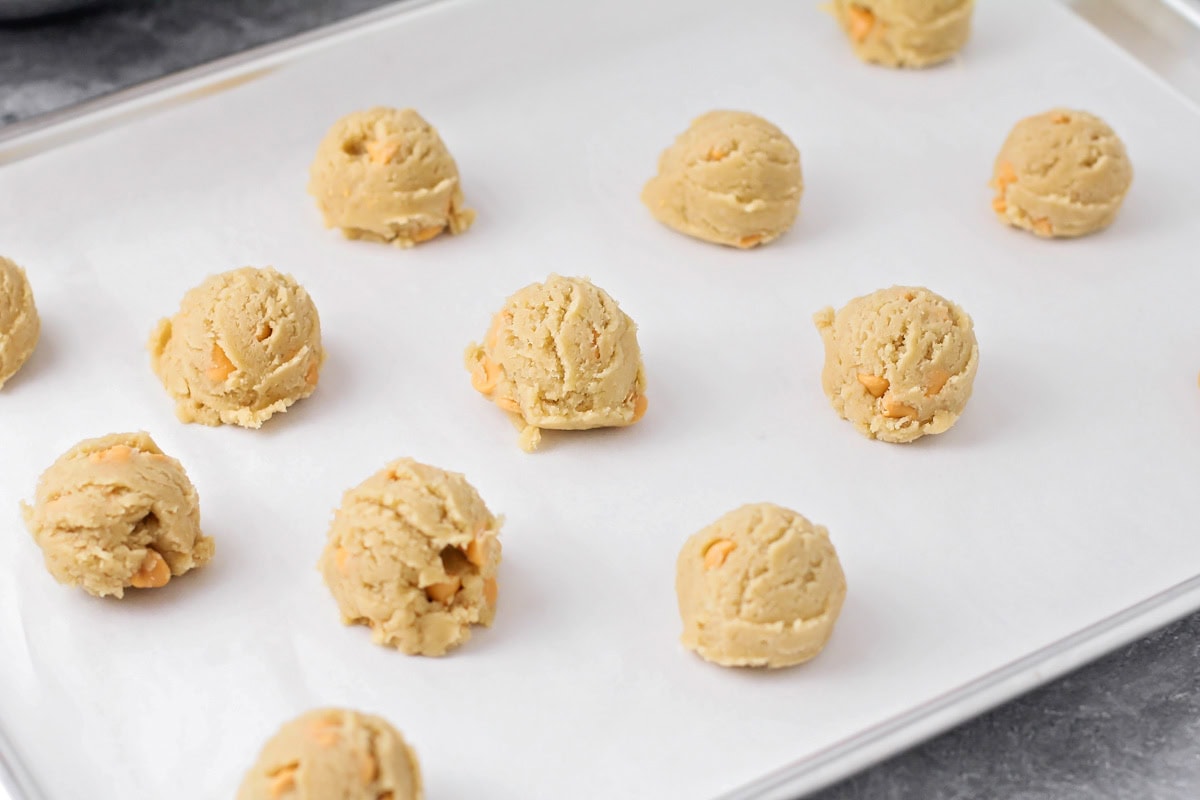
x=899 y=363
x=384 y=174
x=760 y=587
x=905 y=33
x=413 y=553
x=115 y=512
x=334 y=753
x=1062 y=173
x=244 y=346
x=561 y=355
x=732 y=178
x=20 y=325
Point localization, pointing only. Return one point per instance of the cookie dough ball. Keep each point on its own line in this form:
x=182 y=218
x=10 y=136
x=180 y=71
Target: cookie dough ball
x=385 y=175
x=19 y=322
x=731 y=178
x=899 y=363
x=561 y=355
x=1061 y=173
x=244 y=345
x=413 y=554
x=116 y=512
x=334 y=753
x=905 y=33
x=760 y=587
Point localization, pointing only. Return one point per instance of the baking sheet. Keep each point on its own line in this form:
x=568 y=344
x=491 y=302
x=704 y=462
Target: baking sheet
x=1058 y=501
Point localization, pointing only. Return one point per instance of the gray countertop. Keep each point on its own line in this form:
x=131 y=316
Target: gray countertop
x=1127 y=726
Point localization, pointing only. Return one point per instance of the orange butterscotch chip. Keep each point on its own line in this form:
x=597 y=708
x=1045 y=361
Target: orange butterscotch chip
x=716 y=553
x=875 y=385
x=746 y=242
x=425 y=234
x=1005 y=175
x=221 y=367
x=640 y=404
x=490 y=591
x=153 y=573
x=117 y=454
x=894 y=409
x=861 y=22
x=313 y=374
x=485 y=375
x=937 y=381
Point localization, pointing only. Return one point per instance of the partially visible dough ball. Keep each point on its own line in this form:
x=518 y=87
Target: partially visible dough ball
x=19 y=321
x=905 y=33
x=760 y=587
x=731 y=178
x=385 y=175
x=1062 y=173
x=334 y=753
x=116 y=512
x=244 y=345
x=899 y=363
x=413 y=553
x=561 y=355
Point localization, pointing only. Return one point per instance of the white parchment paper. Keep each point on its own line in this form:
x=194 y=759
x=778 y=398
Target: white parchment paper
x=1064 y=494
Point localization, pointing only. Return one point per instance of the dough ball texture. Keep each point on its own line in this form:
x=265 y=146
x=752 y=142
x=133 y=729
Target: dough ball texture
x=19 y=322
x=905 y=33
x=244 y=345
x=413 y=553
x=334 y=754
x=561 y=355
x=1061 y=173
x=116 y=512
x=899 y=363
x=385 y=175
x=731 y=178
x=760 y=587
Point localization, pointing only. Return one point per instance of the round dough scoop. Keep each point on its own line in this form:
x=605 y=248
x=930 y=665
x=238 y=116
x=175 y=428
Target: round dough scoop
x=760 y=587
x=731 y=178
x=20 y=325
x=561 y=355
x=385 y=175
x=115 y=512
x=1063 y=173
x=905 y=33
x=244 y=345
x=334 y=753
x=899 y=363
x=413 y=554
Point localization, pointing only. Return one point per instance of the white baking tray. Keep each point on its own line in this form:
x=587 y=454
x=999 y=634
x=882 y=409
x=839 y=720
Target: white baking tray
x=1052 y=523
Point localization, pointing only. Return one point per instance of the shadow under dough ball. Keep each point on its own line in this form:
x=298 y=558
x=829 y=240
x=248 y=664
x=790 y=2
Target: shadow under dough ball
x=334 y=753
x=1063 y=173
x=561 y=355
x=899 y=363
x=244 y=346
x=116 y=512
x=20 y=325
x=385 y=175
x=412 y=553
x=731 y=178
x=760 y=587
x=905 y=33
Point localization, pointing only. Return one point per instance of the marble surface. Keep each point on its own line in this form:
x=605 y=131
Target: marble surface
x=1127 y=726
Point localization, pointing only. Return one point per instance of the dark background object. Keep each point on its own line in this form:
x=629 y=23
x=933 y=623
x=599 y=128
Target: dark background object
x=1127 y=726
